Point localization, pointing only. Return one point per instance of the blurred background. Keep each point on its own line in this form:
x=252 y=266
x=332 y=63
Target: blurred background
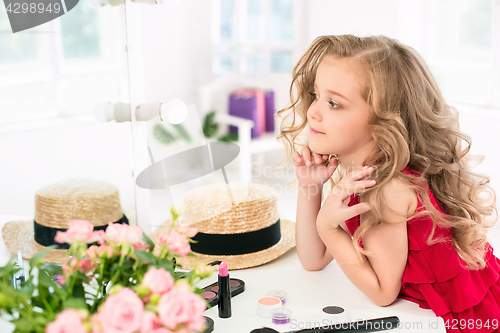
x=56 y=77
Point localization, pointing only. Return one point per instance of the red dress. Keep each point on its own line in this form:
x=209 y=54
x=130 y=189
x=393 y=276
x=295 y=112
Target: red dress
x=435 y=278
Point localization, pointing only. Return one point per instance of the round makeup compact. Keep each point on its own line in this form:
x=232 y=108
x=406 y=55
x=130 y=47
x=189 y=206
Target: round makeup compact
x=281 y=294
x=266 y=304
x=334 y=314
x=281 y=315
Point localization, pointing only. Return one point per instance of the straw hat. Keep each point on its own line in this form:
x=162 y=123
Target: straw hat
x=237 y=223
x=57 y=204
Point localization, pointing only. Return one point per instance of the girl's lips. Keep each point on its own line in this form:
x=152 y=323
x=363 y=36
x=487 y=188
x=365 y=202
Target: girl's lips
x=313 y=131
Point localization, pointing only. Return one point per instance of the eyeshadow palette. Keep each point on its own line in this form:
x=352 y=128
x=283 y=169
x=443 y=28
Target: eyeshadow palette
x=209 y=325
x=210 y=292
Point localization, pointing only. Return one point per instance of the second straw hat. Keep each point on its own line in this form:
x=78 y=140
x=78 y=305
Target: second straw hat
x=237 y=223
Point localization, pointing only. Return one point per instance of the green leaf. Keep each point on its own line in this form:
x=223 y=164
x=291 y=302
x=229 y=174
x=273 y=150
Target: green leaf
x=75 y=303
x=146 y=256
x=54 y=269
x=45 y=280
x=78 y=291
x=28 y=287
x=182 y=132
x=168 y=265
x=162 y=135
x=149 y=241
x=210 y=127
x=23 y=324
x=37 y=257
x=228 y=138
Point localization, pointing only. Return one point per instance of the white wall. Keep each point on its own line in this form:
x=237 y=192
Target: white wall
x=176 y=48
x=37 y=157
x=358 y=17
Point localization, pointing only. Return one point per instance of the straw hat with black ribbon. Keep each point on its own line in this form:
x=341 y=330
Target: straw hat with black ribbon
x=57 y=204
x=237 y=223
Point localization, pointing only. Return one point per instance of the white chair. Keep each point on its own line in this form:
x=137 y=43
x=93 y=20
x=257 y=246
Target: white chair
x=215 y=96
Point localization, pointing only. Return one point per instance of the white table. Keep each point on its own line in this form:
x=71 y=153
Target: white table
x=308 y=293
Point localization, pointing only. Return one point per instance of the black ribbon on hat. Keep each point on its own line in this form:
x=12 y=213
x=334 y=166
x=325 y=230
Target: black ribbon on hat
x=236 y=244
x=45 y=235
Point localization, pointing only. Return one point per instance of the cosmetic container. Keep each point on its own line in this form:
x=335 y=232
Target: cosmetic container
x=266 y=304
x=334 y=314
x=281 y=315
x=281 y=294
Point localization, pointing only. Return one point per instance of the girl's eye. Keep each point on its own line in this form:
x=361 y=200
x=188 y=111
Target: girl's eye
x=313 y=94
x=334 y=105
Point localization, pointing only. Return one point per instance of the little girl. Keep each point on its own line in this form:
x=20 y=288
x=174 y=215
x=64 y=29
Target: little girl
x=405 y=217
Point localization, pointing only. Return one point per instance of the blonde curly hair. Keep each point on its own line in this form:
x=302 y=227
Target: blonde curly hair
x=413 y=127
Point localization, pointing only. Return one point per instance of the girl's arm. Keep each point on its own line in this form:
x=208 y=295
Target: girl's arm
x=312 y=252
x=312 y=171
x=379 y=275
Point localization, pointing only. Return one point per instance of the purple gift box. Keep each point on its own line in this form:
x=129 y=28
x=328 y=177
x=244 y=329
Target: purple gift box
x=255 y=105
x=249 y=104
x=269 y=111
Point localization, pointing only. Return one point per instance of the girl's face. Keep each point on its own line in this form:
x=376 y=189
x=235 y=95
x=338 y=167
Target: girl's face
x=338 y=117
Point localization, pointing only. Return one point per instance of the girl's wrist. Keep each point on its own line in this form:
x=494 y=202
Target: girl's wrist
x=311 y=190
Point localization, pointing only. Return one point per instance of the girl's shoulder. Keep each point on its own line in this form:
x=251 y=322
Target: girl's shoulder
x=400 y=199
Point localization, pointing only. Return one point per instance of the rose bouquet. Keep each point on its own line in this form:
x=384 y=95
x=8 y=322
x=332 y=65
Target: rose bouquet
x=117 y=286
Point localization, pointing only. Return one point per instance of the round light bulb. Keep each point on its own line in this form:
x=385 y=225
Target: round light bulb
x=174 y=111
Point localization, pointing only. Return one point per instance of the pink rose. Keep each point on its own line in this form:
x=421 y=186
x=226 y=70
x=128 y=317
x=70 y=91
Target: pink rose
x=79 y=231
x=69 y=320
x=158 y=280
x=182 y=307
x=92 y=252
x=69 y=265
x=141 y=247
x=86 y=266
x=162 y=330
x=176 y=243
x=105 y=251
x=150 y=322
x=121 y=312
x=188 y=231
x=60 y=280
x=123 y=233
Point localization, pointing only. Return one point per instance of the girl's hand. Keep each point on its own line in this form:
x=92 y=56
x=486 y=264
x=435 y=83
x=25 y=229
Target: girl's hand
x=335 y=210
x=312 y=169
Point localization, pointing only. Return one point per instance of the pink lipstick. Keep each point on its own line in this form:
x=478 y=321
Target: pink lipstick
x=224 y=291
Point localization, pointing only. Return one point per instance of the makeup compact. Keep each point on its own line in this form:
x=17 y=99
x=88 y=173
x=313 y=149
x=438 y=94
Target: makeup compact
x=211 y=292
x=281 y=294
x=334 y=314
x=266 y=304
x=209 y=325
x=281 y=315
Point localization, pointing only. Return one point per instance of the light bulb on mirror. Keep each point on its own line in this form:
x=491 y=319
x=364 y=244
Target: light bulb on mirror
x=175 y=111
x=106 y=111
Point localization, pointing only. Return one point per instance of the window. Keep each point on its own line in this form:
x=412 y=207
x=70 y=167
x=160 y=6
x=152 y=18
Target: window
x=63 y=67
x=464 y=50
x=252 y=36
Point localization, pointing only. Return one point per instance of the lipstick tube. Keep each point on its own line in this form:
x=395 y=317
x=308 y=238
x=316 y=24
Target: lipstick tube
x=224 y=303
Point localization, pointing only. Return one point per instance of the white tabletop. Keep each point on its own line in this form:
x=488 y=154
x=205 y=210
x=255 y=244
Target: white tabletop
x=308 y=293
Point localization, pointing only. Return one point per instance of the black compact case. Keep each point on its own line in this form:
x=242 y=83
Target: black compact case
x=211 y=292
x=209 y=325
